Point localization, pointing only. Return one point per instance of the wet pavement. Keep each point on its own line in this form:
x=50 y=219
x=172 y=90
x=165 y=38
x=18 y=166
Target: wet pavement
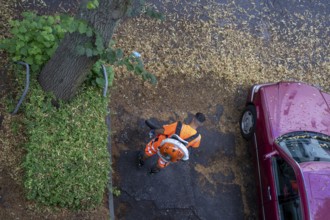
x=177 y=192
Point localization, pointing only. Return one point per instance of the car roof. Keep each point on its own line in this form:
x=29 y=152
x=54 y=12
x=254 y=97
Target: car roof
x=317 y=185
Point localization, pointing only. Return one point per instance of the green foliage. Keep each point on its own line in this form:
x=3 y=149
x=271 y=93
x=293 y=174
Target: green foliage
x=92 y=4
x=67 y=162
x=34 y=40
x=96 y=77
x=116 y=191
x=132 y=63
x=91 y=49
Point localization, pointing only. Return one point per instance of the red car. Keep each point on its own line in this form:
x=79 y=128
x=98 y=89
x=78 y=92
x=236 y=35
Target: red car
x=289 y=126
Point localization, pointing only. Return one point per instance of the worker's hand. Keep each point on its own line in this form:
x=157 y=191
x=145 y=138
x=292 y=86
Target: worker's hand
x=152 y=134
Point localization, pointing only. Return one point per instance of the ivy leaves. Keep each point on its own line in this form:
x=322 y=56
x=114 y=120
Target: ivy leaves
x=96 y=77
x=132 y=63
x=34 y=39
x=109 y=55
x=115 y=57
x=92 y=4
x=90 y=49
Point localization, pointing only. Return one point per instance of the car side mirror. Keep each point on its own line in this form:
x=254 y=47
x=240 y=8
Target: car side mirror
x=270 y=155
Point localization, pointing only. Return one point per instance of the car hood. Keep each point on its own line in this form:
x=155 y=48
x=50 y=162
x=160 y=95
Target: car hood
x=293 y=106
x=317 y=181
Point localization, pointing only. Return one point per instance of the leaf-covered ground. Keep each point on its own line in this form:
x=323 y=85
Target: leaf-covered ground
x=244 y=43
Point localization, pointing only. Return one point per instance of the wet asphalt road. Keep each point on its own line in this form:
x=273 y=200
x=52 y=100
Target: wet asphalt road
x=176 y=192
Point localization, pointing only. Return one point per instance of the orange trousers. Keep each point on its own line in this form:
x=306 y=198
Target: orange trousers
x=152 y=148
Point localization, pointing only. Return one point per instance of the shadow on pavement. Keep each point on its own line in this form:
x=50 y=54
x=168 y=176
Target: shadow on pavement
x=180 y=191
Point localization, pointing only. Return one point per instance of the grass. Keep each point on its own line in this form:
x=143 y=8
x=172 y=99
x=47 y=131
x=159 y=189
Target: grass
x=67 y=162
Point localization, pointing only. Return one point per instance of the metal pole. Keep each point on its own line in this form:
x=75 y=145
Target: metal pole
x=106 y=81
x=27 y=84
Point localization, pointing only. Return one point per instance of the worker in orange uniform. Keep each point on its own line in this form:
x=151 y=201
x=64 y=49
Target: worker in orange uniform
x=171 y=143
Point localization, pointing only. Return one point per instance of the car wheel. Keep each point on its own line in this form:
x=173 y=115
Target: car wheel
x=248 y=122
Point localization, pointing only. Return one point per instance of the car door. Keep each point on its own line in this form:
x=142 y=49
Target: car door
x=287 y=195
x=264 y=148
x=267 y=180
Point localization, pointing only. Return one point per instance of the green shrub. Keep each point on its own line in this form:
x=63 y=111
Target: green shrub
x=34 y=39
x=96 y=78
x=67 y=162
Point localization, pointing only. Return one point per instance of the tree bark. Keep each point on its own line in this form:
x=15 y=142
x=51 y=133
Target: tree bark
x=64 y=73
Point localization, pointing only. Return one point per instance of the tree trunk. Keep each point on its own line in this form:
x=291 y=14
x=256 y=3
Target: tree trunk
x=66 y=70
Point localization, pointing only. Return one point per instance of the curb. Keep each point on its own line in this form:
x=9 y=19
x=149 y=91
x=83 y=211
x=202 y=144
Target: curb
x=110 y=195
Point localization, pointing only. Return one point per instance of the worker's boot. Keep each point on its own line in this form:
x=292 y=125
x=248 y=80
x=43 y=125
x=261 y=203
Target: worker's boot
x=154 y=169
x=140 y=161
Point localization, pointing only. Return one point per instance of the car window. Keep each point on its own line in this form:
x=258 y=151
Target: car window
x=306 y=146
x=287 y=190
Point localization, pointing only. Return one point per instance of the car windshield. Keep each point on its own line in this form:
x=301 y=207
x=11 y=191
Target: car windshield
x=306 y=146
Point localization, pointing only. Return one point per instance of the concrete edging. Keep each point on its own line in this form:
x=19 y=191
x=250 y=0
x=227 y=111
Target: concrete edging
x=110 y=195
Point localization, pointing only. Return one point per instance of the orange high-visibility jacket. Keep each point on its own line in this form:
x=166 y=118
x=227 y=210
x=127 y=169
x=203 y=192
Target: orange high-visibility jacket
x=186 y=132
